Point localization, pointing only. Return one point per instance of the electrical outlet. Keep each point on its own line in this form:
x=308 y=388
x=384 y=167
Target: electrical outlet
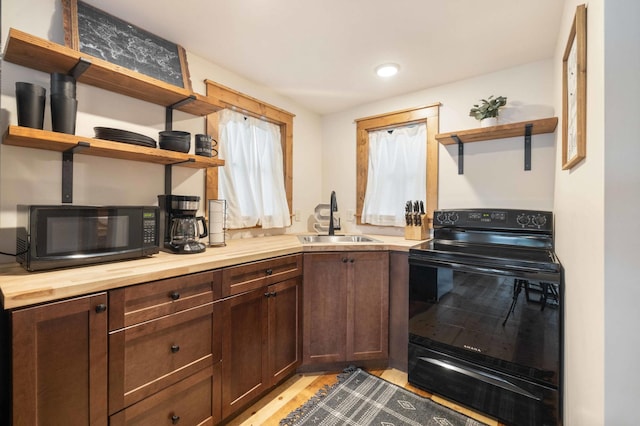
x=350 y=214
x=296 y=216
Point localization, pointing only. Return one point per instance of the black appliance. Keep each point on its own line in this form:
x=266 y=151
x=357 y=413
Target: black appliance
x=57 y=236
x=180 y=227
x=485 y=314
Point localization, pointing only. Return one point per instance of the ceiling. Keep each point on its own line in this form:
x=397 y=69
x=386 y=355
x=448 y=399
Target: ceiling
x=322 y=53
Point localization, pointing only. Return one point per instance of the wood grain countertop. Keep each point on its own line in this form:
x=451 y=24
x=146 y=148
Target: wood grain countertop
x=19 y=288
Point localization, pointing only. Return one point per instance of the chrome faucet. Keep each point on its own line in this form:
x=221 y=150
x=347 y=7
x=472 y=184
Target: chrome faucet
x=333 y=208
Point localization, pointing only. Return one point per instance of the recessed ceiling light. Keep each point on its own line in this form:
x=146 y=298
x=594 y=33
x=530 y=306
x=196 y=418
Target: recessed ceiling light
x=387 y=70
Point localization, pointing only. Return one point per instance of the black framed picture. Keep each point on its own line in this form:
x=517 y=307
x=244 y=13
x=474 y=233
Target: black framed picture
x=101 y=35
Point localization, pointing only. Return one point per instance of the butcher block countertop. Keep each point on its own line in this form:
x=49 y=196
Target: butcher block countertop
x=21 y=288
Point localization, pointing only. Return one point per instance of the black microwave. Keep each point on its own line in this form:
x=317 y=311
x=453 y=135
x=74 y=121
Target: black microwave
x=59 y=236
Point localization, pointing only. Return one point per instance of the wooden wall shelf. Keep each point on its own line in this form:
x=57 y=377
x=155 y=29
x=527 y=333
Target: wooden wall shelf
x=62 y=142
x=43 y=55
x=545 y=125
x=523 y=128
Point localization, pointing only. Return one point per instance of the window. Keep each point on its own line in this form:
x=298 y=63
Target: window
x=429 y=116
x=397 y=166
x=249 y=107
x=252 y=180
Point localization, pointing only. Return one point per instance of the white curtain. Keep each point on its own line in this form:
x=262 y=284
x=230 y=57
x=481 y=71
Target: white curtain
x=252 y=179
x=397 y=173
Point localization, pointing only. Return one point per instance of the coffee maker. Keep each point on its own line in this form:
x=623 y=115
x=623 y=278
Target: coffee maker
x=179 y=226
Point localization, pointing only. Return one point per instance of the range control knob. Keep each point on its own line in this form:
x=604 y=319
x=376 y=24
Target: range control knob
x=440 y=217
x=523 y=219
x=453 y=218
x=539 y=220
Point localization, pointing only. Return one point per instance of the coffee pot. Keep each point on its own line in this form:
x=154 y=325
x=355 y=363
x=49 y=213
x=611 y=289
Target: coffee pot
x=180 y=226
x=185 y=234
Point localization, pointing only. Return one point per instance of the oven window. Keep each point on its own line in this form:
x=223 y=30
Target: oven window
x=503 y=322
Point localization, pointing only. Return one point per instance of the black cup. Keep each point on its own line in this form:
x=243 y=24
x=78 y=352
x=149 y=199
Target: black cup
x=63 y=114
x=203 y=145
x=30 y=99
x=63 y=84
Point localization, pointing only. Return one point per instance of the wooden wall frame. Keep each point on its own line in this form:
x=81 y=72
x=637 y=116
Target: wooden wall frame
x=428 y=114
x=164 y=61
x=574 y=92
x=245 y=104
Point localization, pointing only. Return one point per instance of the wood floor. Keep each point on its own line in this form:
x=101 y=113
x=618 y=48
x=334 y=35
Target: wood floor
x=298 y=389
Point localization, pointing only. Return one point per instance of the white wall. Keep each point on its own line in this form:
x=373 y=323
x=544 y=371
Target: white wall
x=494 y=173
x=579 y=208
x=29 y=176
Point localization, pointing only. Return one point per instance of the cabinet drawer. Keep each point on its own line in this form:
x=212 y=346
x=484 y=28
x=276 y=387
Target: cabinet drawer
x=250 y=276
x=192 y=401
x=144 y=302
x=153 y=355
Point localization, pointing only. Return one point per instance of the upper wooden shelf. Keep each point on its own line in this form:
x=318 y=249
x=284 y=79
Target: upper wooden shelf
x=545 y=125
x=43 y=55
x=61 y=142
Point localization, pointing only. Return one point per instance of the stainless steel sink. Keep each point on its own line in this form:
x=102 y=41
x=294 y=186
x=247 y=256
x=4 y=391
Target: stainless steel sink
x=319 y=239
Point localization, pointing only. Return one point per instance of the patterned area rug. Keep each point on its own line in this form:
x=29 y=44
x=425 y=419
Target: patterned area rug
x=360 y=398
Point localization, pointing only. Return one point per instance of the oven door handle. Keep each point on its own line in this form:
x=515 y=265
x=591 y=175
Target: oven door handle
x=511 y=271
x=482 y=376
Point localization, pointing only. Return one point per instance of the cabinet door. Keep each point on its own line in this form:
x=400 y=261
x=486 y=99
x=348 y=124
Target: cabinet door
x=60 y=363
x=285 y=346
x=325 y=309
x=368 y=306
x=244 y=355
x=398 y=310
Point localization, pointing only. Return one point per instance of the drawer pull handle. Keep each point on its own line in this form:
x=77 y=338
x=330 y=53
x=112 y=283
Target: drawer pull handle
x=273 y=294
x=352 y=260
x=345 y=260
x=175 y=419
x=175 y=348
x=101 y=308
x=269 y=271
x=174 y=295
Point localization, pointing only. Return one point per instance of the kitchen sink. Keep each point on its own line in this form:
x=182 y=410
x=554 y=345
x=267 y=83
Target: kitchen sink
x=319 y=239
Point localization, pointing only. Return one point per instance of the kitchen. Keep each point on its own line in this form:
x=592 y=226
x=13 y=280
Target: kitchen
x=592 y=241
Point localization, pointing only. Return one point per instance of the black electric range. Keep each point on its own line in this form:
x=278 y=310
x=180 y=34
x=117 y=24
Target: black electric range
x=485 y=321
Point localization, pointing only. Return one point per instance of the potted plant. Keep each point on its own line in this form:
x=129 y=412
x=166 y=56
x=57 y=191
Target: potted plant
x=487 y=110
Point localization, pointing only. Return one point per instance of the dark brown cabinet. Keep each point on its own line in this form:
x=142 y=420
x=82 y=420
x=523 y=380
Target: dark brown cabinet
x=59 y=363
x=165 y=349
x=262 y=339
x=346 y=307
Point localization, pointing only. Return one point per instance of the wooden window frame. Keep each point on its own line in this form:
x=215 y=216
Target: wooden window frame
x=429 y=115
x=245 y=104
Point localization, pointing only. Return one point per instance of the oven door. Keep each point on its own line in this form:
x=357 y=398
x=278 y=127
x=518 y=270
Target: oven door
x=497 y=332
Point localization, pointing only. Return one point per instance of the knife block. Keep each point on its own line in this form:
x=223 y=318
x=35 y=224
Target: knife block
x=417 y=232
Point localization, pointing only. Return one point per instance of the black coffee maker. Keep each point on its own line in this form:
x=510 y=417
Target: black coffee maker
x=179 y=225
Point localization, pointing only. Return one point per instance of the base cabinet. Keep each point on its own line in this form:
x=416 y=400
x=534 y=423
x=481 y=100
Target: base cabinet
x=192 y=401
x=261 y=344
x=59 y=363
x=346 y=307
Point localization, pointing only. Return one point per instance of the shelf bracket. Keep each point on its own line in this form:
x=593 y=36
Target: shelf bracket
x=460 y=154
x=168 y=120
x=527 y=146
x=79 y=68
x=67 y=171
x=168 y=172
